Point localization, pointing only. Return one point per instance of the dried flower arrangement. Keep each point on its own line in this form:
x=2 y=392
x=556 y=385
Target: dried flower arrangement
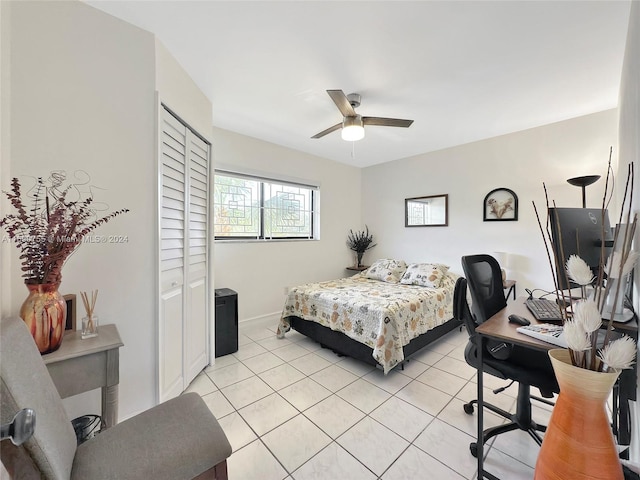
x=361 y=241
x=49 y=230
x=583 y=319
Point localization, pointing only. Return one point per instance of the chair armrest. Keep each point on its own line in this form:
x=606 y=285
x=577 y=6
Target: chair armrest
x=177 y=439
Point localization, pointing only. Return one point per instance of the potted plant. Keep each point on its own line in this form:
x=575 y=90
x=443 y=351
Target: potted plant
x=360 y=242
x=47 y=232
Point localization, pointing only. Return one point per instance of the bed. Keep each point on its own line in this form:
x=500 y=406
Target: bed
x=380 y=316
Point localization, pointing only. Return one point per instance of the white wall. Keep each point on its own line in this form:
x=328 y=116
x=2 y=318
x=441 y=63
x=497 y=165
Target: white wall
x=82 y=97
x=520 y=161
x=178 y=91
x=629 y=122
x=629 y=134
x=5 y=150
x=259 y=271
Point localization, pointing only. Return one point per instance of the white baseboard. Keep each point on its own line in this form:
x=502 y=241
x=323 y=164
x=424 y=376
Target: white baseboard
x=275 y=316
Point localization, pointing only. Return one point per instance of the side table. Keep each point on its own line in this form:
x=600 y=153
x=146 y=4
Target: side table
x=82 y=365
x=356 y=269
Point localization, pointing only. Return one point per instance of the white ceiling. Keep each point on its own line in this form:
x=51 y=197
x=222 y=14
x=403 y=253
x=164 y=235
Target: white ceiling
x=463 y=70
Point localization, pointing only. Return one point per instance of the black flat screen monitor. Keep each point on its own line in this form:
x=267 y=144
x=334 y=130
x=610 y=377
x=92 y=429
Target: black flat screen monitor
x=581 y=234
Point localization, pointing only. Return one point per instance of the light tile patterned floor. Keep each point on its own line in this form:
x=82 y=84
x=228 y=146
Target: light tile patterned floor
x=293 y=410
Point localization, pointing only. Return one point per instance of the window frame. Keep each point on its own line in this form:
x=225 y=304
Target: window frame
x=314 y=211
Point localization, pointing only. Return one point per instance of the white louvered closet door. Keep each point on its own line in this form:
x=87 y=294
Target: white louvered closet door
x=197 y=268
x=183 y=309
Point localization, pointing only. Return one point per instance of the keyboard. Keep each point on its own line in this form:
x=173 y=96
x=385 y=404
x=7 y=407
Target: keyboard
x=546 y=332
x=544 y=310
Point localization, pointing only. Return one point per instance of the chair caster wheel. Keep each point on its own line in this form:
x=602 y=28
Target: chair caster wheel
x=468 y=408
x=473 y=447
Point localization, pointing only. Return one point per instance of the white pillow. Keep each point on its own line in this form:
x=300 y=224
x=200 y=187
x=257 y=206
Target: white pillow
x=387 y=270
x=425 y=274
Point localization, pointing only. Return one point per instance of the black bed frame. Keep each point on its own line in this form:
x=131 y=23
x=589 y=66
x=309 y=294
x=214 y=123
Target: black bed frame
x=344 y=345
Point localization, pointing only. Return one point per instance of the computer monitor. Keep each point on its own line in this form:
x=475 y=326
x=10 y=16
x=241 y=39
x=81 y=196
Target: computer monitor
x=581 y=230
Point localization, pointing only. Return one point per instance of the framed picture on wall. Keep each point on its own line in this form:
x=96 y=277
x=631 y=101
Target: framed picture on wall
x=500 y=205
x=70 y=323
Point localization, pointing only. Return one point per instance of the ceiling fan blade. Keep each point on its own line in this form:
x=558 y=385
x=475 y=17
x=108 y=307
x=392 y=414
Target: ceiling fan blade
x=387 y=122
x=342 y=102
x=337 y=126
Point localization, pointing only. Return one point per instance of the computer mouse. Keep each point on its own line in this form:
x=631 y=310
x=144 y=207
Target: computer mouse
x=518 y=319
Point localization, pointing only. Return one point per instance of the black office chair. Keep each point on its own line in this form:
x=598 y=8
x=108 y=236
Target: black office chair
x=507 y=361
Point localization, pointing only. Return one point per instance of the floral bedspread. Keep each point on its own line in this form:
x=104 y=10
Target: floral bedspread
x=384 y=316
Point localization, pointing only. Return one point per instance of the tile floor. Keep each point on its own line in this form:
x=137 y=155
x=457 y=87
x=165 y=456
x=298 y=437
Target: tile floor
x=293 y=410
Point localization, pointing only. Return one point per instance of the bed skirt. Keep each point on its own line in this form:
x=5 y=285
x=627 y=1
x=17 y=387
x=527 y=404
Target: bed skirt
x=344 y=345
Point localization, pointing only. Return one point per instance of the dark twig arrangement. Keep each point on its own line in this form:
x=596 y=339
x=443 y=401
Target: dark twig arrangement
x=49 y=230
x=361 y=241
x=582 y=318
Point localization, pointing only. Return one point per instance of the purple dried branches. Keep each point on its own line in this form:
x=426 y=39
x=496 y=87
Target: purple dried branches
x=51 y=229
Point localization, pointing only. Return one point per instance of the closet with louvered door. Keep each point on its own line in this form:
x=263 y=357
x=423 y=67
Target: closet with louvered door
x=184 y=256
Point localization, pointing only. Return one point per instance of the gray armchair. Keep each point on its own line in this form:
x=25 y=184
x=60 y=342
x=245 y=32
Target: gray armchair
x=178 y=439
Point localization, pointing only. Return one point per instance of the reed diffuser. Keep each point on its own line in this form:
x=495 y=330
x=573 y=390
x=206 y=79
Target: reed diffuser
x=90 y=322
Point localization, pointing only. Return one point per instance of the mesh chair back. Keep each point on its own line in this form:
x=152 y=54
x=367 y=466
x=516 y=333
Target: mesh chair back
x=461 y=307
x=485 y=284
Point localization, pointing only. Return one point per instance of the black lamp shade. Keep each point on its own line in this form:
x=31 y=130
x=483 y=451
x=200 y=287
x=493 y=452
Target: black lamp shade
x=583 y=182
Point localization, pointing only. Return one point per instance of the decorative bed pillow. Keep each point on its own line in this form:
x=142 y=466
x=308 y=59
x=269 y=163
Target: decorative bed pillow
x=387 y=270
x=425 y=274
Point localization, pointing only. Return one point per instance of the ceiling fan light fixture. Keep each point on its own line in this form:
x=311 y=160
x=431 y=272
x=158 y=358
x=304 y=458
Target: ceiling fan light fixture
x=352 y=129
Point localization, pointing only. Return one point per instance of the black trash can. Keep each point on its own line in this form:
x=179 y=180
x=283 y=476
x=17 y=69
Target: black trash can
x=86 y=427
x=226 y=321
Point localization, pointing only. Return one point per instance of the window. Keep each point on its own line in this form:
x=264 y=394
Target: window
x=246 y=207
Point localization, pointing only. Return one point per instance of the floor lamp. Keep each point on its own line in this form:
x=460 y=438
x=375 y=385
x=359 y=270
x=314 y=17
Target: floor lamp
x=584 y=182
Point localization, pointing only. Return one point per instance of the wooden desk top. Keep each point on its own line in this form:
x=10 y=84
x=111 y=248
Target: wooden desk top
x=499 y=327
x=74 y=346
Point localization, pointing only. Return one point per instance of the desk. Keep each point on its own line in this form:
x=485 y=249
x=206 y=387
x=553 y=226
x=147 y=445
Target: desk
x=82 y=365
x=498 y=327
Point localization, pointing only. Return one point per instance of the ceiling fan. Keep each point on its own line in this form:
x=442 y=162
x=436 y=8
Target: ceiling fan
x=353 y=124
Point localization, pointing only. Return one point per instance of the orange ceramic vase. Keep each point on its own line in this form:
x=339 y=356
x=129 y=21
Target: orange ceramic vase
x=578 y=443
x=45 y=313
